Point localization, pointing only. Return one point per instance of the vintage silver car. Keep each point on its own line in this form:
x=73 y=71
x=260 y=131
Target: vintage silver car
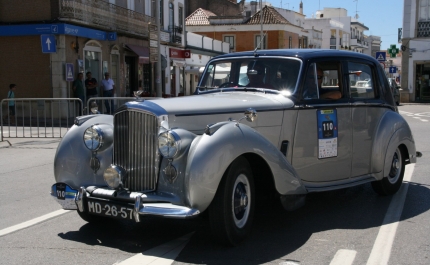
x=269 y=122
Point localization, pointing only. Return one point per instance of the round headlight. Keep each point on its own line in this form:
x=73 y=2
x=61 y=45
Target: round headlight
x=168 y=144
x=114 y=176
x=93 y=138
x=94 y=108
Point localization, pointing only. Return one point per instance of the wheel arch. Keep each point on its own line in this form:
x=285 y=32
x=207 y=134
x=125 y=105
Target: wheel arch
x=211 y=155
x=393 y=131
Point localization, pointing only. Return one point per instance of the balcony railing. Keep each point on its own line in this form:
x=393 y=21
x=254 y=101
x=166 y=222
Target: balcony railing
x=106 y=16
x=175 y=34
x=423 y=29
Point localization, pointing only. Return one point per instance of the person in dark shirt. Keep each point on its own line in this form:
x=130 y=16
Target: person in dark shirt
x=91 y=86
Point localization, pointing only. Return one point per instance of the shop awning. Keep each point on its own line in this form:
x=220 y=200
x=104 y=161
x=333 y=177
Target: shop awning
x=142 y=52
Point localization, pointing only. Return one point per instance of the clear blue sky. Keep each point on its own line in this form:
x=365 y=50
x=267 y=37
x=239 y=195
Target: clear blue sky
x=382 y=17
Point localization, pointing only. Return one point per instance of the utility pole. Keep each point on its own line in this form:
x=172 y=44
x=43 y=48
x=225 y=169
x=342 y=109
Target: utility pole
x=158 y=64
x=261 y=24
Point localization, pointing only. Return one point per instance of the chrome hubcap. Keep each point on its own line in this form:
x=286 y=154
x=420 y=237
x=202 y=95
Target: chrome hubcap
x=396 y=165
x=240 y=201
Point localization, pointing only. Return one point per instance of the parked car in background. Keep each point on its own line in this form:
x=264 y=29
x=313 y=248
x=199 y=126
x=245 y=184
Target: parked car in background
x=264 y=123
x=395 y=89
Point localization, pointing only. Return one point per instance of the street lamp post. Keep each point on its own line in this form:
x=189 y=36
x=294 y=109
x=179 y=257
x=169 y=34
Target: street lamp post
x=158 y=64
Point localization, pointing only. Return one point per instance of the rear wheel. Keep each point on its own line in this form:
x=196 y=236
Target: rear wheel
x=232 y=209
x=391 y=183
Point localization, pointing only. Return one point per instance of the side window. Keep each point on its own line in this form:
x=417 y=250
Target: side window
x=360 y=80
x=217 y=75
x=310 y=87
x=323 y=81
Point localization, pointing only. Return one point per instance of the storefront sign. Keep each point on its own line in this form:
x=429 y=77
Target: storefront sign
x=175 y=53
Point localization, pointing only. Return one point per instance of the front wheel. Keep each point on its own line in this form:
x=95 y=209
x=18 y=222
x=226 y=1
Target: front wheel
x=391 y=183
x=232 y=210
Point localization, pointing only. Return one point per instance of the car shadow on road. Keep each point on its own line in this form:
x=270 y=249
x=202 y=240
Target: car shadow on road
x=129 y=236
x=276 y=232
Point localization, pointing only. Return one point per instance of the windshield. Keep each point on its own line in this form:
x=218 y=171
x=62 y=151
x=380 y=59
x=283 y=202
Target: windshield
x=269 y=73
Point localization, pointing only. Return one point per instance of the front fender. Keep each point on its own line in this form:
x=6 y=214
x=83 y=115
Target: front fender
x=392 y=132
x=210 y=156
x=72 y=158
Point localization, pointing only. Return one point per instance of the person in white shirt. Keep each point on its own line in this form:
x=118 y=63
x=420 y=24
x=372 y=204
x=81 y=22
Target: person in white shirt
x=108 y=87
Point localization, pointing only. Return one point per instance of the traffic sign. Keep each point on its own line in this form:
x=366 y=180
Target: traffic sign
x=49 y=43
x=111 y=36
x=69 y=72
x=393 y=69
x=381 y=56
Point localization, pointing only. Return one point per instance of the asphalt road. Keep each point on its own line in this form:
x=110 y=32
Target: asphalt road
x=349 y=226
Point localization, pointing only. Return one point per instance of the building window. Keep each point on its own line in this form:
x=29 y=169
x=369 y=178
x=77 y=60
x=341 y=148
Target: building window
x=260 y=44
x=181 y=16
x=230 y=39
x=290 y=42
x=424 y=10
x=171 y=16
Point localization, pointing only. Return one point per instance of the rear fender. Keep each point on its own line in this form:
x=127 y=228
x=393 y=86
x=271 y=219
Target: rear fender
x=392 y=132
x=211 y=154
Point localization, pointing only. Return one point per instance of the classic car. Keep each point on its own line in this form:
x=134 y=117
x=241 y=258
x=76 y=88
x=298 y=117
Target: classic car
x=395 y=90
x=278 y=123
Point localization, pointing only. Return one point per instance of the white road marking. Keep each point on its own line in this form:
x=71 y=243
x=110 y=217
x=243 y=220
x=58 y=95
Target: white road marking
x=32 y=222
x=162 y=255
x=344 y=257
x=381 y=250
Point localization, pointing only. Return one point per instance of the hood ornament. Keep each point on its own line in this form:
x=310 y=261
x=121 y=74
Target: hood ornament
x=137 y=94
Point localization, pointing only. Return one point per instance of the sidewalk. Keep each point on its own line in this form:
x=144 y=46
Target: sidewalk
x=35 y=143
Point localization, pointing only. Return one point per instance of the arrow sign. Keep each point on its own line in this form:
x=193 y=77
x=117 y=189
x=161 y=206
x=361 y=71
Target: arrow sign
x=48 y=43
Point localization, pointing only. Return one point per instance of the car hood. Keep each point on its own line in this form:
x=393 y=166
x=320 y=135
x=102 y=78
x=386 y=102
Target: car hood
x=195 y=112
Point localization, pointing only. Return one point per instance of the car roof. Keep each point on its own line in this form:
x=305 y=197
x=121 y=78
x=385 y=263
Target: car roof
x=303 y=54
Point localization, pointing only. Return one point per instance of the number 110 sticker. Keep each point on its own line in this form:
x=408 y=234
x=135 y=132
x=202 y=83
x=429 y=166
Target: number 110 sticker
x=327 y=133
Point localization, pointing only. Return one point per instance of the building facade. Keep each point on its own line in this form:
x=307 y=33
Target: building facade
x=46 y=43
x=415 y=40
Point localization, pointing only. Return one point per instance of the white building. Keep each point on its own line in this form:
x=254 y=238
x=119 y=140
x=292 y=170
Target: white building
x=415 y=80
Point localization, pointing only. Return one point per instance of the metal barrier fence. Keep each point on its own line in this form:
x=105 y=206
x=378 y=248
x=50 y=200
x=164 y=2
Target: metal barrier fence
x=49 y=117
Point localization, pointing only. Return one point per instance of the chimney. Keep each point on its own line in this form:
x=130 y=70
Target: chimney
x=253 y=7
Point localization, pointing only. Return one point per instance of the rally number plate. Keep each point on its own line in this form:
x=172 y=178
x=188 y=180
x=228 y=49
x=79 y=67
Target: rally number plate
x=108 y=209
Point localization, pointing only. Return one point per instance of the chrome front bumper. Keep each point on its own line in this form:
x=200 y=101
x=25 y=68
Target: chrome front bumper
x=141 y=207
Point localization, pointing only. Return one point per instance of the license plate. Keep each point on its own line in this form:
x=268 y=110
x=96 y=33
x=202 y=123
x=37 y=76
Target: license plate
x=108 y=209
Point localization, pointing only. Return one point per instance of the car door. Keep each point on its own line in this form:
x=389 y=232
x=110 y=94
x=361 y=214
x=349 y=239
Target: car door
x=323 y=135
x=366 y=113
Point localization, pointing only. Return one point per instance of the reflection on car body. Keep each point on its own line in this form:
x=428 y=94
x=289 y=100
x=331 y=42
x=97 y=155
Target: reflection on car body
x=214 y=151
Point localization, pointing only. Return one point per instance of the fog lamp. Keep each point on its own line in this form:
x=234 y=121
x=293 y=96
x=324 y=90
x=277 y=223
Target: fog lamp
x=114 y=176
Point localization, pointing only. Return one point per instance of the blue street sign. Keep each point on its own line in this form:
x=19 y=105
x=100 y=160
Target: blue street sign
x=111 y=36
x=66 y=29
x=393 y=69
x=381 y=56
x=69 y=72
x=49 y=43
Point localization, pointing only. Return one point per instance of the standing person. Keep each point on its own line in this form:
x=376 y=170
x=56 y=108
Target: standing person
x=91 y=86
x=11 y=116
x=108 y=87
x=78 y=89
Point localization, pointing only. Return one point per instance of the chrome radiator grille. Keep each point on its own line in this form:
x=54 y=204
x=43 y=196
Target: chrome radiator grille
x=135 y=148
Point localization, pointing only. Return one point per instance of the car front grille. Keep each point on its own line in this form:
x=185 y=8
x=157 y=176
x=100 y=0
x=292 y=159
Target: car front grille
x=135 y=148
